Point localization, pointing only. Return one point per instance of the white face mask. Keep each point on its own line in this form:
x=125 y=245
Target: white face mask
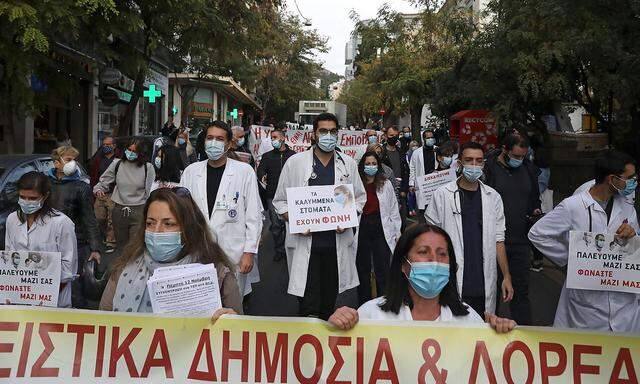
x=70 y=168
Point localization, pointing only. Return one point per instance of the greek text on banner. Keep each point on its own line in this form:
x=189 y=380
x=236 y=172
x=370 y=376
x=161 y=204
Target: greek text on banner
x=61 y=346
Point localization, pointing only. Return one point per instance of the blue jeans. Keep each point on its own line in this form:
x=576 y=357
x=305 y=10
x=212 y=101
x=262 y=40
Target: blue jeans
x=411 y=201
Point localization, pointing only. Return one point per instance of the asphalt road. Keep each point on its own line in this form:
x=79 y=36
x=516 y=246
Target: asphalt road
x=270 y=298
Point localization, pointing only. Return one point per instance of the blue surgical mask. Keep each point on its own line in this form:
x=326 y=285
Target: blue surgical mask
x=514 y=163
x=214 y=149
x=163 y=246
x=371 y=170
x=407 y=135
x=29 y=207
x=340 y=198
x=107 y=150
x=373 y=139
x=446 y=161
x=430 y=142
x=131 y=156
x=629 y=188
x=241 y=142
x=428 y=279
x=276 y=144
x=158 y=162
x=472 y=172
x=181 y=141
x=327 y=143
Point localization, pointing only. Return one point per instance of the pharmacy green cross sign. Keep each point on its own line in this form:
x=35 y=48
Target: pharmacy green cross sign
x=152 y=93
x=234 y=113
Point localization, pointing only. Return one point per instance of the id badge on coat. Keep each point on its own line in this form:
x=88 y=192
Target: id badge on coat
x=231 y=213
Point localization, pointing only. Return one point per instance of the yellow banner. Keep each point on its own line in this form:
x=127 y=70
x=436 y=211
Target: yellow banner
x=40 y=345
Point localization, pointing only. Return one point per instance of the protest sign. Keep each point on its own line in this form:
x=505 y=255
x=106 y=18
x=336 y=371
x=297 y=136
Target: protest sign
x=188 y=290
x=28 y=277
x=321 y=208
x=428 y=184
x=603 y=262
x=61 y=346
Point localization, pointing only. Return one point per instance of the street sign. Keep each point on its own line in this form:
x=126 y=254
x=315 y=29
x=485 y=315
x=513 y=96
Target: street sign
x=240 y=112
x=110 y=76
x=152 y=93
x=382 y=111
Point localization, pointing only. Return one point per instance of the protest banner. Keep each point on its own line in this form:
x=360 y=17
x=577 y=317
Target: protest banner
x=321 y=208
x=351 y=143
x=428 y=184
x=62 y=346
x=603 y=262
x=28 y=277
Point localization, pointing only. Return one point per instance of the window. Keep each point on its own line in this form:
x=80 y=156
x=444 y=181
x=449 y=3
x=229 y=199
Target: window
x=10 y=191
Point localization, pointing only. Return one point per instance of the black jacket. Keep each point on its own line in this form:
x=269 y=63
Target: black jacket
x=404 y=168
x=271 y=165
x=491 y=163
x=74 y=198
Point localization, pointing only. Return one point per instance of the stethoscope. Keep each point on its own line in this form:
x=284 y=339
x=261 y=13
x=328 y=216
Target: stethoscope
x=314 y=175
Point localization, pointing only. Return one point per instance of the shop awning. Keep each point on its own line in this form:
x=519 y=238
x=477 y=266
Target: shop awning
x=224 y=84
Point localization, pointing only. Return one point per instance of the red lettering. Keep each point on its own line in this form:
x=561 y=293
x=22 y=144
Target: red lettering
x=315 y=343
x=578 y=367
x=360 y=360
x=623 y=358
x=384 y=350
x=80 y=331
x=334 y=343
x=43 y=330
x=242 y=355
x=7 y=347
x=481 y=353
x=506 y=361
x=204 y=344
x=545 y=370
x=122 y=350
x=159 y=340
x=24 y=351
x=271 y=365
x=102 y=330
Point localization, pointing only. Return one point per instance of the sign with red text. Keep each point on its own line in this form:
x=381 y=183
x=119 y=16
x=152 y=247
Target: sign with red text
x=428 y=184
x=71 y=347
x=603 y=262
x=30 y=277
x=321 y=208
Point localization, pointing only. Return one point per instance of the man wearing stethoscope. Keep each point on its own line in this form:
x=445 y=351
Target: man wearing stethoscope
x=472 y=214
x=603 y=208
x=226 y=191
x=321 y=264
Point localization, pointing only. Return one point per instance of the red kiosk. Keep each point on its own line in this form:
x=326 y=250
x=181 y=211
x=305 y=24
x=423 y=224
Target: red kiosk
x=474 y=125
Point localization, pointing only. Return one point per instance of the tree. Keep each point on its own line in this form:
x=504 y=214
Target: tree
x=357 y=96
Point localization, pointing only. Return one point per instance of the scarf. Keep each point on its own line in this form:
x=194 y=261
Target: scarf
x=132 y=294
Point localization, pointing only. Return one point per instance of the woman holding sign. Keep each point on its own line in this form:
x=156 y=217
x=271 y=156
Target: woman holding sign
x=380 y=225
x=36 y=226
x=175 y=233
x=422 y=285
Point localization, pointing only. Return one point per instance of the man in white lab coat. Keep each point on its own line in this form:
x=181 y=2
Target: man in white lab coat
x=321 y=264
x=226 y=191
x=472 y=214
x=423 y=162
x=602 y=208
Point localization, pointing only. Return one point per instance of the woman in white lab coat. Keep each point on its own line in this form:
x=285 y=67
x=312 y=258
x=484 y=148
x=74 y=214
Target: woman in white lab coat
x=616 y=179
x=379 y=228
x=297 y=172
x=174 y=233
x=421 y=287
x=38 y=227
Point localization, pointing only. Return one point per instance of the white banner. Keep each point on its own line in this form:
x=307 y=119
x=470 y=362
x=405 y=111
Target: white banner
x=28 y=277
x=321 y=208
x=428 y=184
x=603 y=262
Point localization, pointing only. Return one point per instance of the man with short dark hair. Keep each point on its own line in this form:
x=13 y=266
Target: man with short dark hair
x=423 y=162
x=269 y=171
x=394 y=159
x=603 y=208
x=516 y=179
x=226 y=191
x=472 y=214
x=321 y=264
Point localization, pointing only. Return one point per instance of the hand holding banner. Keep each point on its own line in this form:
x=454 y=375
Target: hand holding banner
x=321 y=208
x=428 y=184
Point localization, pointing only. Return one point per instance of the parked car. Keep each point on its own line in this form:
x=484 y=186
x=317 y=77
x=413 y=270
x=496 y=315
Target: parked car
x=12 y=167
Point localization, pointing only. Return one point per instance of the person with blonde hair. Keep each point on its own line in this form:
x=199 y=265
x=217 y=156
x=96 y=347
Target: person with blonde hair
x=72 y=196
x=186 y=150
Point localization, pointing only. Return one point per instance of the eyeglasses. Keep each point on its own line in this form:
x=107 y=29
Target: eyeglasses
x=323 y=131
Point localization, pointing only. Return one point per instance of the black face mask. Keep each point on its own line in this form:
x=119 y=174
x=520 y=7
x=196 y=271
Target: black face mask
x=392 y=140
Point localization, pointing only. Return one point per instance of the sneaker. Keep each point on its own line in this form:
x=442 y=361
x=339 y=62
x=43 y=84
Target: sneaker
x=536 y=266
x=412 y=213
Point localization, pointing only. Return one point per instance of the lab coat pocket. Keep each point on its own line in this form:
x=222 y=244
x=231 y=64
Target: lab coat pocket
x=582 y=298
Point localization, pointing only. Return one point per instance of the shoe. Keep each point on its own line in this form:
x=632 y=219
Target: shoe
x=536 y=266
x=412 y=213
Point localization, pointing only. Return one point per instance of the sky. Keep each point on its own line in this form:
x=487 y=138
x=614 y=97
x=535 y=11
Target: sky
x=331 y=19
